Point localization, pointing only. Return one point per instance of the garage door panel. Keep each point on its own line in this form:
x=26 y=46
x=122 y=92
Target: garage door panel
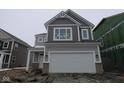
x=72 y=63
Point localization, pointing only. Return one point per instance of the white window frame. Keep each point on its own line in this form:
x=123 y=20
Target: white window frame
x=5 y=59
x=16 y=46
x=38 y=58
x=82 y=33
x=59 y=32
x=39 y=38
x=13 y=59
x=7 y=45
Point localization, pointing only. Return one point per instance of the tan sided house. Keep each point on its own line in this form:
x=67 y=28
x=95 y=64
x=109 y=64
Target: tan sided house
x=67 y=47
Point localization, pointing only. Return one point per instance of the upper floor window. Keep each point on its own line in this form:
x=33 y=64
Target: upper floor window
x=85 y=34
x=63 y=33
x=40 y=39
x=16 y=45
x=5 y=44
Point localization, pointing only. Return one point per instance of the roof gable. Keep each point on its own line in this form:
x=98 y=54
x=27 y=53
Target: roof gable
x=62 y=14
x=12 y=37
x=79 y=18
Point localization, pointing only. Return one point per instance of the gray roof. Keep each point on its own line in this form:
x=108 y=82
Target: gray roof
x=78 y=18
x=41 y=34
x=74 y=16
x=10 y=36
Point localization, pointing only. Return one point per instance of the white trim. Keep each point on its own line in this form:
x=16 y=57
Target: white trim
x=1 y=59
x=82 y=32
x=91 y=34
x=47 y=33
x=114 y=47
x=5 y=59
x=63 y=25
x=28 y=60
x=12 y=46
x=28 y=57
x=99 y=55
x=78 y=33
x=77 y=43
x=87 y=22
x=59 y=16
x=44 y=57
x=7 y=44
x=70 y=51
x=59 y=32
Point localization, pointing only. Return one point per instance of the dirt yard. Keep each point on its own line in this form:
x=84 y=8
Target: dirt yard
x=21 y=76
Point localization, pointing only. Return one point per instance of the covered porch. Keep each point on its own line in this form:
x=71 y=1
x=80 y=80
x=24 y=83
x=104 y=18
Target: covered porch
x=35 y=58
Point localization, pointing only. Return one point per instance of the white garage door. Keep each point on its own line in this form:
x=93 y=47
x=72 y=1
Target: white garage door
x=72 y=62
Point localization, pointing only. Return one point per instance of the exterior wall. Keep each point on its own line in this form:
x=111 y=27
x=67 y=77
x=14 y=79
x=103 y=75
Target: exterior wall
x=45 y=67
x=112 y=49
x=63 y=21
x=74 y=33
x=40 y=43
x=99 y=68
x=21 y=56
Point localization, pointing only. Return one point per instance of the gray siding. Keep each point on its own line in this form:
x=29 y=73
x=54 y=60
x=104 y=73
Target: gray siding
x=74 y=33
x=62 y=21
x=39 y=43
x=21 y=56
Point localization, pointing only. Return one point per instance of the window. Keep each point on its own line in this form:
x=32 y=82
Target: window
x=16 y=45
x=5 y=44
x=63 y=33
x=13 y=59
x=6 y=59
x=44 y=39
x=40 y=39
x=85 y=34
x=36 y=57
x=102 y=42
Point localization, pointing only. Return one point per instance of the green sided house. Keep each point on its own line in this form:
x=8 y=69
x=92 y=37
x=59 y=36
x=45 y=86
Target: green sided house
x=110 y=31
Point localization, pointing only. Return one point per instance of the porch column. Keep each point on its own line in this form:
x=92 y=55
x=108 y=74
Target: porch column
x=28 y=60
x=1 y=60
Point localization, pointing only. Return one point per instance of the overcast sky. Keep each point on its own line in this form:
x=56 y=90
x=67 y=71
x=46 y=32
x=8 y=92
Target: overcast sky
x=26 y=23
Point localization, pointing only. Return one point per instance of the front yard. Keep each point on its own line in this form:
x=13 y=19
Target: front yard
x=21 y=76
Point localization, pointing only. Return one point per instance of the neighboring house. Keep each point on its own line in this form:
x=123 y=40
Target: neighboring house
x=67 y=47
x=13 y=51
x=110 y=31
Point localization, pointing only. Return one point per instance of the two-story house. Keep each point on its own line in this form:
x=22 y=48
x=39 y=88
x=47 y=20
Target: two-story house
x=67 y=47
x=13 y=51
